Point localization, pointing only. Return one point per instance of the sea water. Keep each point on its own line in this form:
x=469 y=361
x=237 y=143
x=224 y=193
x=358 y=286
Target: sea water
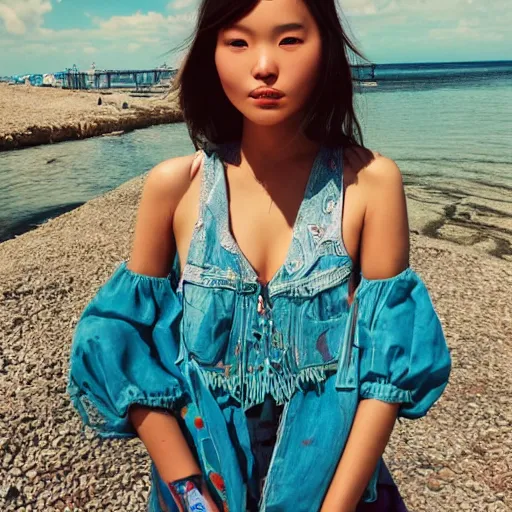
x=447 y=126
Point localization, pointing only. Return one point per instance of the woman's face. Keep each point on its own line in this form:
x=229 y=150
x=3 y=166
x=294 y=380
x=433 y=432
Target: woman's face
x=277 y=46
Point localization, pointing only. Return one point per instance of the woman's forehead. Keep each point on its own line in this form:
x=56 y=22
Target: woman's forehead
x=279 y=12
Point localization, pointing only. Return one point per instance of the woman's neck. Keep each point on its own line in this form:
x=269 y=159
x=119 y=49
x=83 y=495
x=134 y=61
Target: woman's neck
x=265 y=147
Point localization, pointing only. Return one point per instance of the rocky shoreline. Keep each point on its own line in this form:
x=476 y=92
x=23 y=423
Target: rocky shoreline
x=32 y=116
x=456 y=458
x=473 y=215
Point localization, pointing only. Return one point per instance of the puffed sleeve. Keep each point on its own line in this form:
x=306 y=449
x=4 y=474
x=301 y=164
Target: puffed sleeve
x=123 y=352
x=403 y=355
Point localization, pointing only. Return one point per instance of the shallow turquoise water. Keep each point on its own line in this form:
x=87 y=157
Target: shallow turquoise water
x=438 y=131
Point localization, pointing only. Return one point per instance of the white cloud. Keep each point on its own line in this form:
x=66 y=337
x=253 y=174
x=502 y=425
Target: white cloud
x=143 y=27
x=153 y=32
x=359 y=7
x=466 y=29
x=36 y=48
x=18 y=16
x=133 y=47
x=429 y=9
x=180 y=4
x=134 y=21
x=452 y=21
x=148 y=40
x=140 y=28
x=12 y=23
x=149 y=34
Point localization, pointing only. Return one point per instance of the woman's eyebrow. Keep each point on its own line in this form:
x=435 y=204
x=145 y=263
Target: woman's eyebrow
x=287 y=27
x=279 y=29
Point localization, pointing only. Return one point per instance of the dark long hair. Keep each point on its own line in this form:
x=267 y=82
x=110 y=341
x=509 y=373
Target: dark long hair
x=211 y=118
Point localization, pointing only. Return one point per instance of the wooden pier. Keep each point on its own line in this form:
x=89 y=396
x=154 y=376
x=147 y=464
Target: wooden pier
x=108 y=79
x=145 y=79
x=363 y=72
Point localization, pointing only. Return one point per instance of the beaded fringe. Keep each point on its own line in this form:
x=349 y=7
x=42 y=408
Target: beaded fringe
x=252 y=388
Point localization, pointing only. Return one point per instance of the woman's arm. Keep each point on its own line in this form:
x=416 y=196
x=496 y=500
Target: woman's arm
x=152 y=254
x=368 y=438
x=384 y=253
x=165 y=443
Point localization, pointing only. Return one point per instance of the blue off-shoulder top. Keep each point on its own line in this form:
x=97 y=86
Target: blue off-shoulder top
x=404 y=357
x=124 y=350
x=126 y=344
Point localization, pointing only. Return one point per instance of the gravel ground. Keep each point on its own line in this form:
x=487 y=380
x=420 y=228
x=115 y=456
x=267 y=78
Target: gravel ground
x=30 y=116
x=456 y=458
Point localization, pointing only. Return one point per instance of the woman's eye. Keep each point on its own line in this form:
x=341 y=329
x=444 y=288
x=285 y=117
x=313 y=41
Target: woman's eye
x=237 y=43
x=291 y=40
x=240 y=43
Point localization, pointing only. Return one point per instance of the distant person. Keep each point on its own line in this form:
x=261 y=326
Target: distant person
x=267 y=329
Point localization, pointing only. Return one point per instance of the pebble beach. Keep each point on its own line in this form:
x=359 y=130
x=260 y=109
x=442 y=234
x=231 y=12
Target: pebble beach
x=31 y=116
x=459 y=457
x=456 y=458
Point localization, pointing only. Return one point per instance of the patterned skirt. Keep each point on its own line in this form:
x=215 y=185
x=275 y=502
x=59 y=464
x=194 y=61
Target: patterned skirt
x=263 y=421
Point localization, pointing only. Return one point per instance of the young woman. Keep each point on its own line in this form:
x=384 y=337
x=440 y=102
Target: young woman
x=268 y=329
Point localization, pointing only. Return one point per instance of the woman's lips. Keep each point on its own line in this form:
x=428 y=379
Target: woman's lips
x=266 y=96
x=266 y=92
x=263 y=101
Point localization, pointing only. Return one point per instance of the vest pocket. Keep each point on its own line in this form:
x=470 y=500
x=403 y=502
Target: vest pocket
x=207 y=321
x=328 y=305
x=320 y=327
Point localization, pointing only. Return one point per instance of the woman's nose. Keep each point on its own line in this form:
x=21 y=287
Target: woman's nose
x=265 y=66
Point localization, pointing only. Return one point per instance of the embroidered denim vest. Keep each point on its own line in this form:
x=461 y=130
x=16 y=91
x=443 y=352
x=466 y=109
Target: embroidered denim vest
x=251 y=339
x=245 y=339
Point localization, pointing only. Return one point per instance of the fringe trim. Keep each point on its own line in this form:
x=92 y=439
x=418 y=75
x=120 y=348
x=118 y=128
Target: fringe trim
x=251 y=388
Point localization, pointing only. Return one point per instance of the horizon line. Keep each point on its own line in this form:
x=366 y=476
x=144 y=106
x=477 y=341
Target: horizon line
x=365 y=64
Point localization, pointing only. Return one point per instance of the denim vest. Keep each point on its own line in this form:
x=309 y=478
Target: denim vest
x=212 y=343
x=251 y=339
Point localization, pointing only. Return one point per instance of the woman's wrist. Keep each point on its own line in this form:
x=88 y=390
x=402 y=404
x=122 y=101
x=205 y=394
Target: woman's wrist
x=335 y=507
x=338 y=503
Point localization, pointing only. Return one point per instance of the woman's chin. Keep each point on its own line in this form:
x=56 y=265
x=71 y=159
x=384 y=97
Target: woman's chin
x=266 y=116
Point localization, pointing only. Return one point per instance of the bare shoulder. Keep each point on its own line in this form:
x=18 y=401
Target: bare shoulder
x=169 y=180
x=385 y=235
x=381 y=174
x=370 y=168
x=372 y=178
x=153 y=244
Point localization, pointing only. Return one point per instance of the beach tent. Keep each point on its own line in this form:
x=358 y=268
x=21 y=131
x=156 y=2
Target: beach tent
x=16 y=79
x=29 y=79
x=49 y=79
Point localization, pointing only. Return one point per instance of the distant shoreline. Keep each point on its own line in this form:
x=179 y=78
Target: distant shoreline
x=32 y=116
x=48 y=134
x=477 y=226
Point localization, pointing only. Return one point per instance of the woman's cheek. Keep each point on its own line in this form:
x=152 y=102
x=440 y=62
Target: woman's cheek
x=301 y=86
x=230 y=78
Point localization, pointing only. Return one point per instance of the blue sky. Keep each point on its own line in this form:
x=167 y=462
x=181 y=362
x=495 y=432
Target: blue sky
x=50 y=35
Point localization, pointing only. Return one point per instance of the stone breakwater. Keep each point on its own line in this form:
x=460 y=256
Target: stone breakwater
x=456 y=458
x=31 y=116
